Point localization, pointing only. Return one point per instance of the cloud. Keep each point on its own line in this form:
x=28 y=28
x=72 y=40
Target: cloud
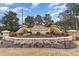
x=6 y=4
x=1 y=15
x=62 y=7
x=53 y=14
x=48 y=12
x=57 y=12
x=3 y=9
x=57 y=9
x=34 y=5
x=53 y=4
x=18 y=9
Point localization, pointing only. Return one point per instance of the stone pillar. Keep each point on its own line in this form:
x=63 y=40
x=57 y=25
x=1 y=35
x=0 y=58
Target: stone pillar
x=5 y=34
x=72 y=33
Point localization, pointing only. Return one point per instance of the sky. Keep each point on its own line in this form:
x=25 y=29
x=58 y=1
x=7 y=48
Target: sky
x=33 y=9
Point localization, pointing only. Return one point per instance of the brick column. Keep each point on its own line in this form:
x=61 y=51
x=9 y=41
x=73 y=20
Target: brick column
x=5 y=34
x=72 y=33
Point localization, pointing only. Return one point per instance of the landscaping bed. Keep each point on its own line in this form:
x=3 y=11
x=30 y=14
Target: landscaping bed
x=41 y=36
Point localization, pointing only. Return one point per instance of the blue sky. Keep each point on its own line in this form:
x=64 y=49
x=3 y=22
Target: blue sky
x=33 y=9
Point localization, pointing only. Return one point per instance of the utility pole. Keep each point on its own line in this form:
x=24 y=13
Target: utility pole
x=22 y=16
x=76 y=24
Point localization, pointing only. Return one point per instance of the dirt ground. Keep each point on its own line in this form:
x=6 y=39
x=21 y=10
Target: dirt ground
x=40 y=51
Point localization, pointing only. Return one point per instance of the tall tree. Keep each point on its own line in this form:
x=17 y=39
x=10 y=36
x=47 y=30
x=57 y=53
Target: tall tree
x=29 y=21
x=66 y=15
x=10 y=21
x=70 y=16
x=74 y=8
x=67 y=24
x=47 y=20
x=38 y=20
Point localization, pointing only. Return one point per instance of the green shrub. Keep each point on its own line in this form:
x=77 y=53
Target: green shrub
x=47 y=33
x=30 y=32
x=38 y=33
x=53 y=29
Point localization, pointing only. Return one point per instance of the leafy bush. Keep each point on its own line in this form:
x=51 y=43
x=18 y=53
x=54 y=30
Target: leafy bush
x=30 y=33
x=23 y=30
x=47 y=33
x=53 y=29
x=38 y=33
